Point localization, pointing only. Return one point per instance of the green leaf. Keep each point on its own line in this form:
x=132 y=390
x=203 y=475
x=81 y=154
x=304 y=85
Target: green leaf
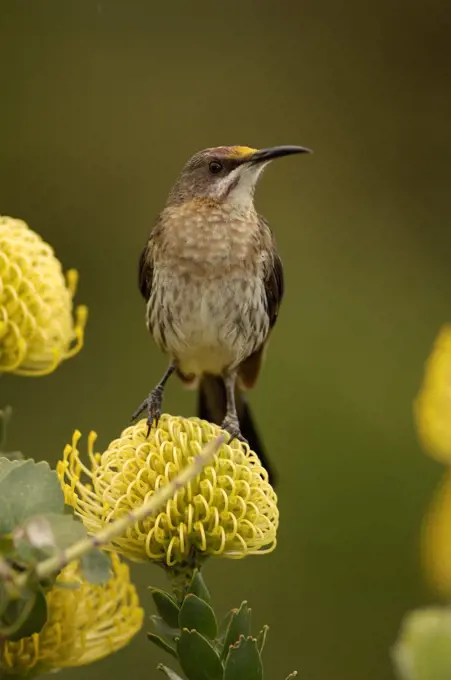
x=159 y=642
x=198 y=587
x=163 y=629
x=58 y=531
x=44 y=535
x=12 y=455
x=198 y=658
x=240 y=624
x=172 y=675
x=96 y=566
x=166 y=607
x=243 y=661
x=261 y=638
x=26 y=489
x=196 y=614
x=224 y=625
x=25 y=616
x=7 y=465
x=36 y=620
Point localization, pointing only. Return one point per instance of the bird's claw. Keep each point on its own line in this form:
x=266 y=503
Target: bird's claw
x=231 y=425
x=152 y=404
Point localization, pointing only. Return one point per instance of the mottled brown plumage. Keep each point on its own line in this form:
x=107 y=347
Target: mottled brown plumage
x=213 y=282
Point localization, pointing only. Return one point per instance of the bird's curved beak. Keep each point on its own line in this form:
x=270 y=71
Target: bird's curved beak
x=264 y=155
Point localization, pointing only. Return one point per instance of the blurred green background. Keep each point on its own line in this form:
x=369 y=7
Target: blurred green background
x=101 y=102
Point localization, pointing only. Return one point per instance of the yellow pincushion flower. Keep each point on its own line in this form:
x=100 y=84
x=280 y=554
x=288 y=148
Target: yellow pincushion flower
x=85 y=623
x=229 y=509
x=433 y=404
x=436 y=539
x=37 y=329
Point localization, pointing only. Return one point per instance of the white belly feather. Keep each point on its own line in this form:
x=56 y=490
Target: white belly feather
x=208 y=326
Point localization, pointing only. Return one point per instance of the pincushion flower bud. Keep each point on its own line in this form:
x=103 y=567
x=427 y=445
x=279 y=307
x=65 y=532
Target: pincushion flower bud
x=423 y=650
x=37 y=328
x=85 y=623
x=433 y=404
x=229 y=509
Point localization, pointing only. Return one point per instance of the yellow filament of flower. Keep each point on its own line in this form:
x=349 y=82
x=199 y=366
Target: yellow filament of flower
x=190 y=519
x=207 y=514
x=222 y=535
x=182 y=531
x=170 y=560
x=84 y=624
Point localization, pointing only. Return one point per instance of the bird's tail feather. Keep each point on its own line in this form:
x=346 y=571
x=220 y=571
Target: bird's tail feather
x=211 y=406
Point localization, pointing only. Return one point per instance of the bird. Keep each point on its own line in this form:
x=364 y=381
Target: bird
x=213 y=282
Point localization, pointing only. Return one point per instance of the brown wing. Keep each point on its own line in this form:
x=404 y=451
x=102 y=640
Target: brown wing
x=145 y=269
x=273 y=278
x=145 y=274
x=274 y=290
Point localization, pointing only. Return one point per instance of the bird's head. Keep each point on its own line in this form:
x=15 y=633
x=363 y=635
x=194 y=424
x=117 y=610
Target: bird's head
x=226 y=174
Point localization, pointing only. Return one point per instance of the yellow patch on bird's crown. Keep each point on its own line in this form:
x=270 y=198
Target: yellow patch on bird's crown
x=241 y=151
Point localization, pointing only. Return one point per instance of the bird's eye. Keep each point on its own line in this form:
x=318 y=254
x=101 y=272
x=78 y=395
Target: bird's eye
x=215 y=167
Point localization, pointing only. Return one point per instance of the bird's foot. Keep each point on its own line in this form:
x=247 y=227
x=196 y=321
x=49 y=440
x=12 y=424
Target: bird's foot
x=152 y=404
x=231 y=425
